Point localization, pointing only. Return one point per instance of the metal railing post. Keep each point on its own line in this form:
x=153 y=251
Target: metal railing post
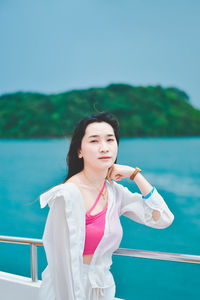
x=34 y=269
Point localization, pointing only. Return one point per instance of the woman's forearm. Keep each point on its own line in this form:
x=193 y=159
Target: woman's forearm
x=144 y=186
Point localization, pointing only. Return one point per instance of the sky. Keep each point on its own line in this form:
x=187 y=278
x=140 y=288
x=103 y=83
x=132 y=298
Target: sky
x=52 y=46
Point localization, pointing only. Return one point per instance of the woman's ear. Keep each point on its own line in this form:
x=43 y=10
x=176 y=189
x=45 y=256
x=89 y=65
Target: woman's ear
x=80 y=154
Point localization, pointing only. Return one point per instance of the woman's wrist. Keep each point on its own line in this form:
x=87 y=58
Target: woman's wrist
x=130 y=172
x=144 y=186
x=135 y=173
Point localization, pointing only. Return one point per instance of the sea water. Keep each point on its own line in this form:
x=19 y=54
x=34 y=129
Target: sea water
x=172 y=165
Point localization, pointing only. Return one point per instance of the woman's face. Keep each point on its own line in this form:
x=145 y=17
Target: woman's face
x=99 y=146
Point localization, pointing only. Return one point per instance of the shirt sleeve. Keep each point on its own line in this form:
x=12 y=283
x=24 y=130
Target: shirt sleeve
x=57 y=276
x=139 y=208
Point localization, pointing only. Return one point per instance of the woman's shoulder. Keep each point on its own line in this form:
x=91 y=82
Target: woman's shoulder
x=61 y=189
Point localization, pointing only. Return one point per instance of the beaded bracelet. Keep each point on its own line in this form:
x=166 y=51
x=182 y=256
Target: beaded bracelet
x=137 y=170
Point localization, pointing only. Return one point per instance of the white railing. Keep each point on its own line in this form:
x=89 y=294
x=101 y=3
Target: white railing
x=186 y=258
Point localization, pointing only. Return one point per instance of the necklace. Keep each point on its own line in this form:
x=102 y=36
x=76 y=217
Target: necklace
x=103 y=193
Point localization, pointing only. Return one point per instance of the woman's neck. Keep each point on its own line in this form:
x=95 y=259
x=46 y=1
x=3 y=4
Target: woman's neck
x=94 y=177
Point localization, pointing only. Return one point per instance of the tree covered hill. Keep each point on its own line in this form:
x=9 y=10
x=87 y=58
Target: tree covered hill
x=141 y=111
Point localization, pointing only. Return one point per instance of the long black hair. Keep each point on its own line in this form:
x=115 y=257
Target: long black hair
x=75 y=164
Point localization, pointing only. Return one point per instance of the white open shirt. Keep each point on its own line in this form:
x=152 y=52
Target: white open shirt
x=64 y=237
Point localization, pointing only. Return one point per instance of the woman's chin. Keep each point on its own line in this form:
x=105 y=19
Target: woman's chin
x=105 y=164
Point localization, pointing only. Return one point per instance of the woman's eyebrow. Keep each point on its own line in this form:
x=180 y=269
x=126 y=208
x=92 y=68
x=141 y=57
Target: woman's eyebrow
x=95 y=135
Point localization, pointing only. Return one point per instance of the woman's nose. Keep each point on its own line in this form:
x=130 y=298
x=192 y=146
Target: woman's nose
x=104 y=147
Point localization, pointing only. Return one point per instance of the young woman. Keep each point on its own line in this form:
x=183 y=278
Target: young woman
x=83 y=226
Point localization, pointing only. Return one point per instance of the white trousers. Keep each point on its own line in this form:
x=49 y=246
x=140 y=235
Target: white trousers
x=96 y=293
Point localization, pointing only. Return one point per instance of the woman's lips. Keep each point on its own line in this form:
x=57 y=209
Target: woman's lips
x=104 y=157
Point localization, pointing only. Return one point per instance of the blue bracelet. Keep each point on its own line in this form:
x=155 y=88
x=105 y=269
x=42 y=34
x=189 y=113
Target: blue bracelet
x=149 y=194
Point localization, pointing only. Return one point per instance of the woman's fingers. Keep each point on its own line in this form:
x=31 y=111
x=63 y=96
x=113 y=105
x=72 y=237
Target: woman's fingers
x=110 y=174
x=117 y=172
x=113 y=174
x=118 y=177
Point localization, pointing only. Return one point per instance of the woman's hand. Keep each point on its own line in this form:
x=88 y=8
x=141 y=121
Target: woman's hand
x=117 y=172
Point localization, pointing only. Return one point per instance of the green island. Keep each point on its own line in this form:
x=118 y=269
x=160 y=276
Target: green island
x=149 y=111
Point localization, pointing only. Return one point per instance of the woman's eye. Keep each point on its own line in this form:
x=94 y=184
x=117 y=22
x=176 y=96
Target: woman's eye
x=109 y=140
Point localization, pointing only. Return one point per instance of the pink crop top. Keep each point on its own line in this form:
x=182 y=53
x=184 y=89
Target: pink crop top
x=95 y=225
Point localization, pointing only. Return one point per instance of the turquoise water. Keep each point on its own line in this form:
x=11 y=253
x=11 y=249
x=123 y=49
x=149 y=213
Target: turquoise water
x=29 y=167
